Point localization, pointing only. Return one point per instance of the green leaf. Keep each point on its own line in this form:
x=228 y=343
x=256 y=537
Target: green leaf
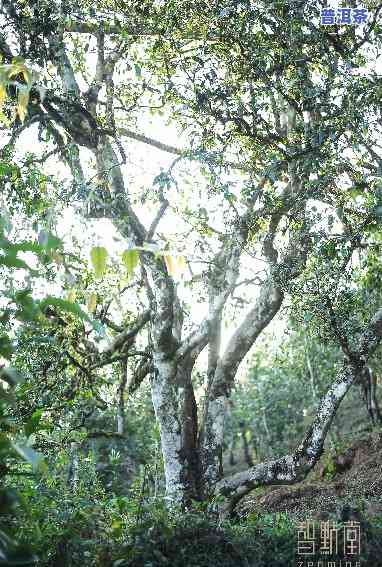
x=22 y=101
x=26 y=246
x=13 y=262
x=169 y=261
x=32 y=424
x=92 y=302
x=130 y=259
x=28 y=309
x=72 y=295
x=98 y=256
x=3 y=94
x=48 y=241
x=175 y=264
x=67 y=306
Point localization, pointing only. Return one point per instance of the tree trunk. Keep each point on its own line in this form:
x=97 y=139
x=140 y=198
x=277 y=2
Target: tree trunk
x=368 y=381
x=267 y=306
x=176 y=413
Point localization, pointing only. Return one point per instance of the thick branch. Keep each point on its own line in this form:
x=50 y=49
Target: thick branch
x=96 y=85
x=121 y=339
x=150 y=141
x=158 y=217
x=139 y=374
x=267 y=305
x=64 y=66
x=222 y=281
x=210 y=157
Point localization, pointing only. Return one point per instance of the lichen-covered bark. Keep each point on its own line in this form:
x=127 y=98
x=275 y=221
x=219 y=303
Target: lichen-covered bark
x=171 y=386
x=292 y=468
x=164 y=393
x=176 y=412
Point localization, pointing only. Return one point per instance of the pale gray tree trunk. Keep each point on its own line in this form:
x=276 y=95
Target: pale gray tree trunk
x=175 y=410
x=267 y=306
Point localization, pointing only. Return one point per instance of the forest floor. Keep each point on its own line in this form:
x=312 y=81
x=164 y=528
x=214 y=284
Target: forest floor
x=345 y=486
x=351 y=479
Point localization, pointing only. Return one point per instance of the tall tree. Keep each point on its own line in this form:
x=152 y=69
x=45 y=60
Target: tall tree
x=282 y=117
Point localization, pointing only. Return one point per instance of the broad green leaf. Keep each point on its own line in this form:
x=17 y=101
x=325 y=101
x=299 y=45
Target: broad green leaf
x=98 y=255
x=170 y=264
x=92 y=302
x=130 y=258
x=3 y=94
x=175 y=264
x=23 y=247
x=13 y=262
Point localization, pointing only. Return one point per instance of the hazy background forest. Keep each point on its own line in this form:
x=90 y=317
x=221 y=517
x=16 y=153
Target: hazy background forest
x=190 y=257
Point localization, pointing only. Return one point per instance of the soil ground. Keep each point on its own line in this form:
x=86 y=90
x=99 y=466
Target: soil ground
x=351 y=479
